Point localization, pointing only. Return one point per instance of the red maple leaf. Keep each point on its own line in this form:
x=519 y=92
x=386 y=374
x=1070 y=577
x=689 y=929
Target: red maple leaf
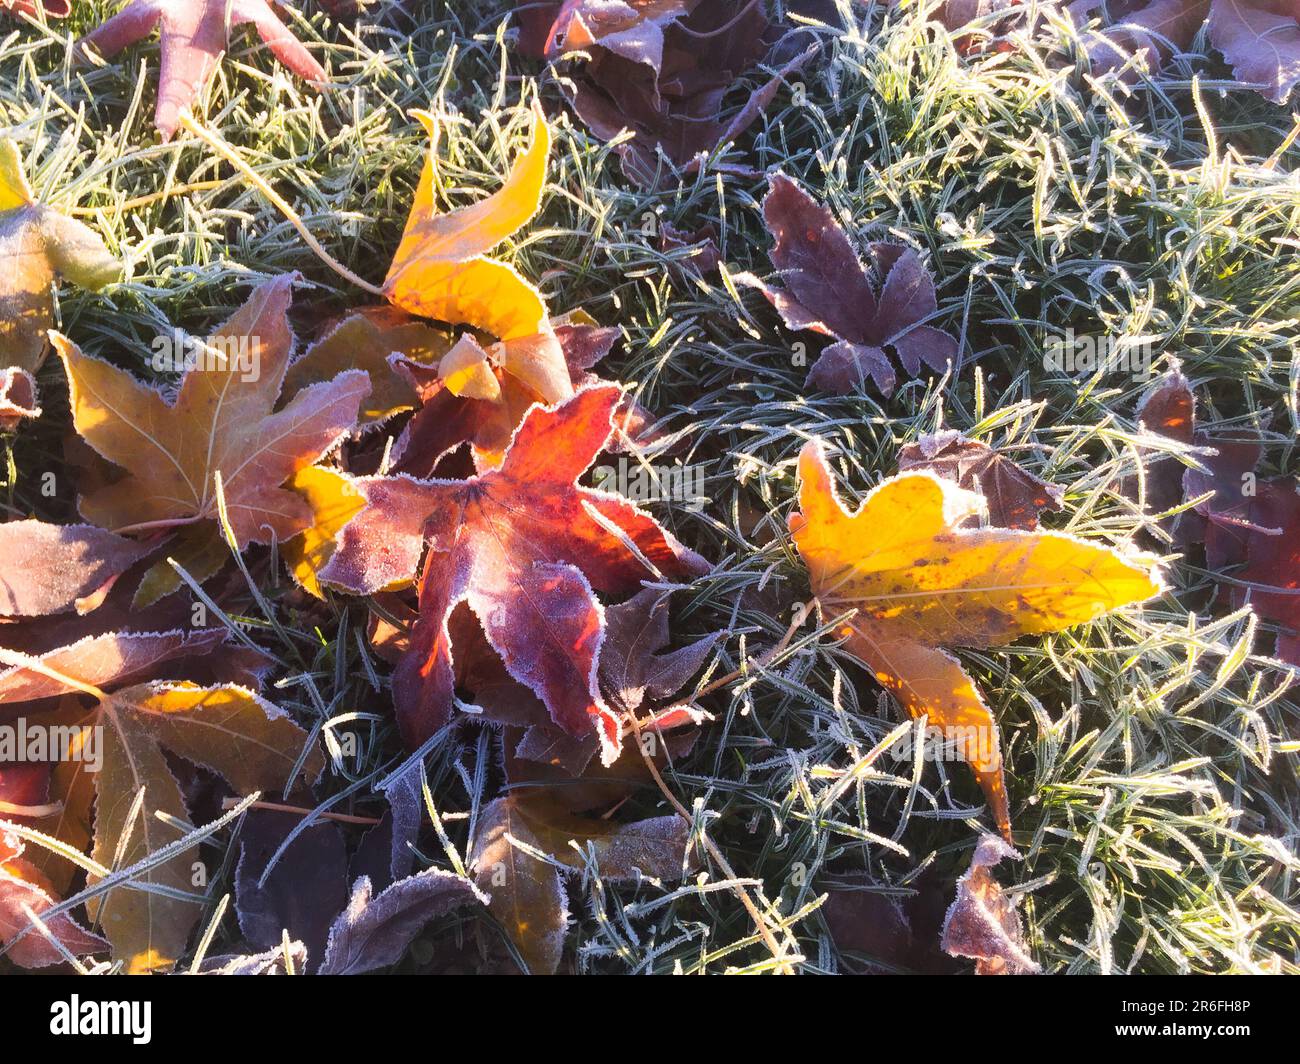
x=527 y=549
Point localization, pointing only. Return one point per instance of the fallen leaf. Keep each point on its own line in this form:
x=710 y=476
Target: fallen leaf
x=871 y=313
x=674 y=106
x=982 y=922
x=919 y=582
x=1272 y=553
x=447 y=421
x=1260 y=39
x=193 y=35
x=441 y=270
x=103 y=661
x=703 y=256
x=528 y=897
x=272 y=962
x=1137 y=27
x=631 y=665
x=1261 y=42
x=374 y=932
x=220 y=421
x=52 y=8
x=633 y=29
x=527 y=548
x=56 y=568
x=1015 y=496
x=225 y=728
x=305 y=889
x=36 y=244
x=365 y=340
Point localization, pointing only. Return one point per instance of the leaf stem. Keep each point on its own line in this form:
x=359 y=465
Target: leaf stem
x=280 y=807
x=223 y=149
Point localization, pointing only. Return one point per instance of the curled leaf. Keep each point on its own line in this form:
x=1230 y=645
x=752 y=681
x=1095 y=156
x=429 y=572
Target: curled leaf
x=982 y=922
x=36 y=244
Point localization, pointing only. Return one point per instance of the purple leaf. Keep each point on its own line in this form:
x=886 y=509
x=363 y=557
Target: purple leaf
x=374 y=932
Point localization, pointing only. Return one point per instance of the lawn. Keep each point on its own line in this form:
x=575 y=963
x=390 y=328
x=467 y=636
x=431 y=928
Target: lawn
x=1150 y=755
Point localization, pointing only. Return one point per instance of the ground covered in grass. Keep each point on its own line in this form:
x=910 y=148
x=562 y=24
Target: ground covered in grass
x=1151 y=756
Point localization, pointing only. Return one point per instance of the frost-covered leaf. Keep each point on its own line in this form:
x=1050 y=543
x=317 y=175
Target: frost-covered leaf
x=527 y=549
x=334 y=501
x=374 y=931
x=305 y=890
x=272 y=962
x=1145 y=28
x=1015 y=496
x=220 y=421
x=633 y=29
x=441 y=269
x=366 y=340
x=24 y=890
x=193 y=36
x=982 y=922
x=56 y=568
x=920 y=582
x=1261 y=41
x=631 y=665
x=671 y=94
x=447 y=421
x=528 y=896
x=1270 y=542
x=225 y=728
x=876 y=314
x=104 y=661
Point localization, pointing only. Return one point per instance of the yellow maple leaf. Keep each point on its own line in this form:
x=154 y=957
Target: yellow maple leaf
x=916 y=582
x=334 y=501
x=441 y=269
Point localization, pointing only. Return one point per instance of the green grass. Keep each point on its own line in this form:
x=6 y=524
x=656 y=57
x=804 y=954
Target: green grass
x=1151 y=756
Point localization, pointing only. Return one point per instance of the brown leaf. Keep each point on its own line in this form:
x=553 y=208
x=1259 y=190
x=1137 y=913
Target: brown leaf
x=874 y=314
x=366 y=340
x=528 y=895
x=115 y=751
x=1015 y=496
x=982 y=922
x=671 y=89
x=53 y=568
